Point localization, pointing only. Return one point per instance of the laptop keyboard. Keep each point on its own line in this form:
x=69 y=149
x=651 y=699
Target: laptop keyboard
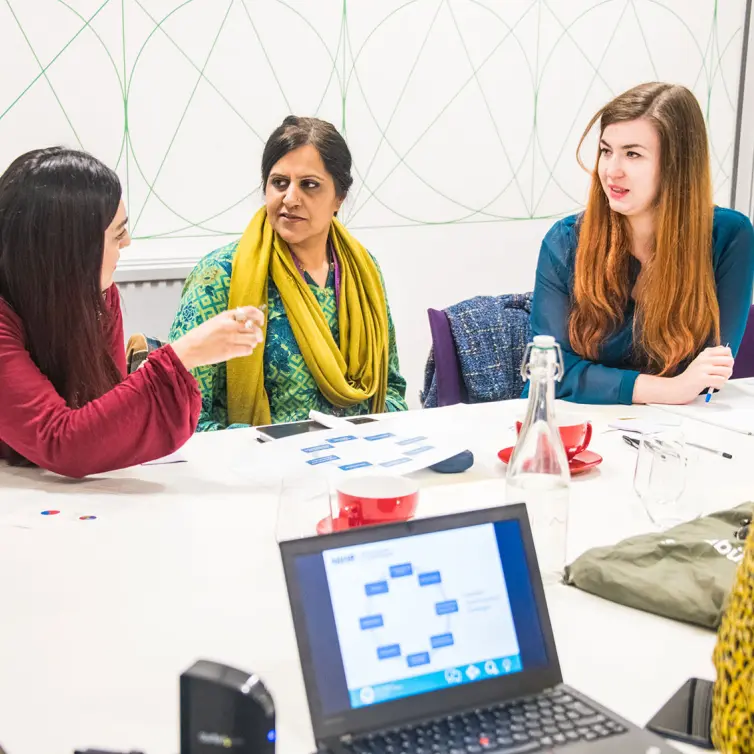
x=547 y=721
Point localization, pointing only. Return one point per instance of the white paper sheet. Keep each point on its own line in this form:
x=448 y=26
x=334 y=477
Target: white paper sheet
x=374 y=448
x=176 y=457
x=732 y=408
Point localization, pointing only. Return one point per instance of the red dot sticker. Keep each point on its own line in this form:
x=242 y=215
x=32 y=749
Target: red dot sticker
x=50 y=513
x=87 y=518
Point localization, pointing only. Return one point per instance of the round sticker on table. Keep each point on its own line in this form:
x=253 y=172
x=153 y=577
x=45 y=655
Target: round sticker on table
x=87 y=518
x=50 y=513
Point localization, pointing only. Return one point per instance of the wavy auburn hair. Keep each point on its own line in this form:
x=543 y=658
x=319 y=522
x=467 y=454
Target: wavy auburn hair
x=677 y=312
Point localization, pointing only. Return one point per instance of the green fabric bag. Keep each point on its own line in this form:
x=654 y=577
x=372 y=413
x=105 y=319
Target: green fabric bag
x=685 y=573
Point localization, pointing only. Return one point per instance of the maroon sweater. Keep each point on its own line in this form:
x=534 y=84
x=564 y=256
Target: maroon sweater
x=150 y=414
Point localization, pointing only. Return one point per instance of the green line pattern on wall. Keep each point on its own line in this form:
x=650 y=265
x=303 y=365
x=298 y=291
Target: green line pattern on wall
x=458 y=112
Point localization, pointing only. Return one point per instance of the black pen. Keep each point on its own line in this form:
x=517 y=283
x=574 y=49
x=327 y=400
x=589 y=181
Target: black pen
x=632 y=441
x=710 y=450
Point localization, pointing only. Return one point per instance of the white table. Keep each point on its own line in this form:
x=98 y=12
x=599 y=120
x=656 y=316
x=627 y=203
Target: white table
x=100 y=617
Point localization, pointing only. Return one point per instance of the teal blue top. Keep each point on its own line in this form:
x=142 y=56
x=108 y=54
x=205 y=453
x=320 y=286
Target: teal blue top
x=611 y=378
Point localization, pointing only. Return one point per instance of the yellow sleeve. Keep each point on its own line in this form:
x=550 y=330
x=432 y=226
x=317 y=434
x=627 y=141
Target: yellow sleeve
x=733 y=701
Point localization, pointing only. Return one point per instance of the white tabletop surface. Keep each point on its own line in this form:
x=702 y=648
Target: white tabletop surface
x=100 y=617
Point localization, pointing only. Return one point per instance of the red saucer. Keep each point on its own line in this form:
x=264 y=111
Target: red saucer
x=578 y=465
x=325 y=526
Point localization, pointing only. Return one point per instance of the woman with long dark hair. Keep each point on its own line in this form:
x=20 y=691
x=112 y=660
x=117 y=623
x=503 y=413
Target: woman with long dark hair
x=648 y=291
x=65 y=402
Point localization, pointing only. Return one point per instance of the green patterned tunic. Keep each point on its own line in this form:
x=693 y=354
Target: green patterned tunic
x=290 y=386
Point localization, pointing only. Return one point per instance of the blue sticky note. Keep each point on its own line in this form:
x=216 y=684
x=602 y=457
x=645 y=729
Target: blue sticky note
x=441 y=640
x=416 y=451
x=324 y=459
x=377 y=587
x=411 y=440
x=420 y=658
x=395 y=462
x=448 y=606
x=388 y=651
x=432 y=577
x=356 y=465
x=403 y=569
x=317 y=448
x=383 y=436
x=371 y=621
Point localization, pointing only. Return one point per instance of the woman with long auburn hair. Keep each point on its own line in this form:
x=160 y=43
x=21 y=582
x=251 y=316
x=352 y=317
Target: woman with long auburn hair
x=66 y=403
x=648 y=291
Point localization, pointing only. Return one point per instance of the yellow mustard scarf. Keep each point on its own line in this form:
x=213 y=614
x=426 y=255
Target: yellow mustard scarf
x=347 y=373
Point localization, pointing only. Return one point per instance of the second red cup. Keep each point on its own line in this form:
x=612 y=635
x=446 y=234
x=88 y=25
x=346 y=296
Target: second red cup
x=366 y=500
x=575 y=432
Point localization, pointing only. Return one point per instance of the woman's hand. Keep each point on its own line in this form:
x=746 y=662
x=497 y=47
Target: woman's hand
x=226 y=336
x=711 y=368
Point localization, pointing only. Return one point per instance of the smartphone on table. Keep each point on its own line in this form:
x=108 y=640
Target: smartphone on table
x=687 y=715
x=269 y=432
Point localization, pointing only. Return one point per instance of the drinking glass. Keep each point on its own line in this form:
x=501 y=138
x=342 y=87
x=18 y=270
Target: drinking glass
x=660 y=477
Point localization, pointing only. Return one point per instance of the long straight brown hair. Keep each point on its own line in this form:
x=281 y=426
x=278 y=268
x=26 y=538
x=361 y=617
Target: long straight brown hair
x=55 y=206
x=677 y=312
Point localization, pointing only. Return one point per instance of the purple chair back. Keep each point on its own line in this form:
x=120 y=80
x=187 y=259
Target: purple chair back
x=450 y=386
x=744 y=366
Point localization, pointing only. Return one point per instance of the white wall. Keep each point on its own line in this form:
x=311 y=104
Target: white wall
x=462 y=115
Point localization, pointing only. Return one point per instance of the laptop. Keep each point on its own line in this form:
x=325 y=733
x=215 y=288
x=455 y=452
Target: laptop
x=432 y=636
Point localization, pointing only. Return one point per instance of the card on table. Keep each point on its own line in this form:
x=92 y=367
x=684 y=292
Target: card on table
x=644 y=426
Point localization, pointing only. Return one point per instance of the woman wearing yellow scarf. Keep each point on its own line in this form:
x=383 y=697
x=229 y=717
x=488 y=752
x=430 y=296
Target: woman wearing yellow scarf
x=329 y=340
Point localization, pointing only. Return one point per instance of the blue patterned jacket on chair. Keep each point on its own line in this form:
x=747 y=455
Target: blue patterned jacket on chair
x=490 y=334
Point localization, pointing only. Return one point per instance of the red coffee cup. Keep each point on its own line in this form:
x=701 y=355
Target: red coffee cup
x=365 y=500
x=575 y=433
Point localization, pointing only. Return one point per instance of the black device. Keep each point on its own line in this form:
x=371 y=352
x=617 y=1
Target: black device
x=433 y=635
x=288 y=429
x=687 y=715
x=223 y=708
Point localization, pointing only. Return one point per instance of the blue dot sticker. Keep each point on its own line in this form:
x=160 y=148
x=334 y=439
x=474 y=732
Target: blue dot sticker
x=50 y=513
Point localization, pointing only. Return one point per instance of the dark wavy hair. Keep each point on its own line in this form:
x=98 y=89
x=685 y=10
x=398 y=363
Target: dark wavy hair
x=55 y=206
x=295 y=132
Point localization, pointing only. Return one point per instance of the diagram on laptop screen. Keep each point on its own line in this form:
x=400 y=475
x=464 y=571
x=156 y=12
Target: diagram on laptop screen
x=421 y=613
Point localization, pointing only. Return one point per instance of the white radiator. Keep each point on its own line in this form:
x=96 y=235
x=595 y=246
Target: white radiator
x=149 y=306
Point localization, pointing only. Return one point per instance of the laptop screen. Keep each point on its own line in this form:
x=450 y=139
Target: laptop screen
x=419 y=614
